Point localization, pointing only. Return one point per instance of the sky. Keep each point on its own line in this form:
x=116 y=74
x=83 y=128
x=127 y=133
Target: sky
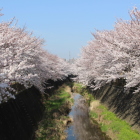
x=66 y=25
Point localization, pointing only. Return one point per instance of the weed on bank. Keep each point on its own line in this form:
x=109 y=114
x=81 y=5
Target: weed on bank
x=57 y=108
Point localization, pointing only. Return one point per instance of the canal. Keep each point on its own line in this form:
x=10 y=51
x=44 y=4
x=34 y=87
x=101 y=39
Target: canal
x=81 y=128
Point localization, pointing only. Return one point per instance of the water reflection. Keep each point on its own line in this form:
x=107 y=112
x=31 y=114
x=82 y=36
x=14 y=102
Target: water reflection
x=81 y=128
x=70 y=132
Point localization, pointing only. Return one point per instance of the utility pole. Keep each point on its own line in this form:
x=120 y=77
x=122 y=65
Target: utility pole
x=69 y=56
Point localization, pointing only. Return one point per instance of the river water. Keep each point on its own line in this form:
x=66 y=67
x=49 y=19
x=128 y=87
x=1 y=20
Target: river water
x=82 y=128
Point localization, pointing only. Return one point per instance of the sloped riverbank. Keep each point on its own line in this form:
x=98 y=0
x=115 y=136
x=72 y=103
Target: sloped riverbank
x=113 y=126
x=55 y=119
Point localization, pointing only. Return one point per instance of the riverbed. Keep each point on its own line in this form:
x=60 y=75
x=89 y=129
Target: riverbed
x=82 y=128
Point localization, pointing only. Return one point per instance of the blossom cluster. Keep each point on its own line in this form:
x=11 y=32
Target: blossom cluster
x=112 y=54
x=23 y=61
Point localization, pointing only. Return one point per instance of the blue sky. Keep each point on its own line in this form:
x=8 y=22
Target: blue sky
x=66 y=25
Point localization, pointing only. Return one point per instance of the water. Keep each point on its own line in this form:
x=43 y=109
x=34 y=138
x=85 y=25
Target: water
x=81 y=128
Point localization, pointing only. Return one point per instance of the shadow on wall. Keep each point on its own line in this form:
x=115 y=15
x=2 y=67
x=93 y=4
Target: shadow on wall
x=125 y=104
x=19 y=117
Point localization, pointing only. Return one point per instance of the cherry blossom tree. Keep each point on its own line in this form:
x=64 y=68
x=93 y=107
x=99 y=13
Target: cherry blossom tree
x=24 y=62
x=112 y=54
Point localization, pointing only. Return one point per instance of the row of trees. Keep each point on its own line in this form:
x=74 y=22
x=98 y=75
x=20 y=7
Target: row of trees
x=24 y=62
x=109 y=56
x=112 y=55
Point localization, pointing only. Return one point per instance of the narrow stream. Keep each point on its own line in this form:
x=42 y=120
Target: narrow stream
x=81 y=128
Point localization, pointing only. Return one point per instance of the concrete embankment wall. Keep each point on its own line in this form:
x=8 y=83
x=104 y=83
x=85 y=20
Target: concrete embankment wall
x=19 y=117
x=125 y=104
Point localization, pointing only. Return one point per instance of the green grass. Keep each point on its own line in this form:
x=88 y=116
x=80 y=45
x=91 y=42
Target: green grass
x=120 y=128
x=93 y=114
x=56 y=108
x=79 y=88
x=104 y=127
